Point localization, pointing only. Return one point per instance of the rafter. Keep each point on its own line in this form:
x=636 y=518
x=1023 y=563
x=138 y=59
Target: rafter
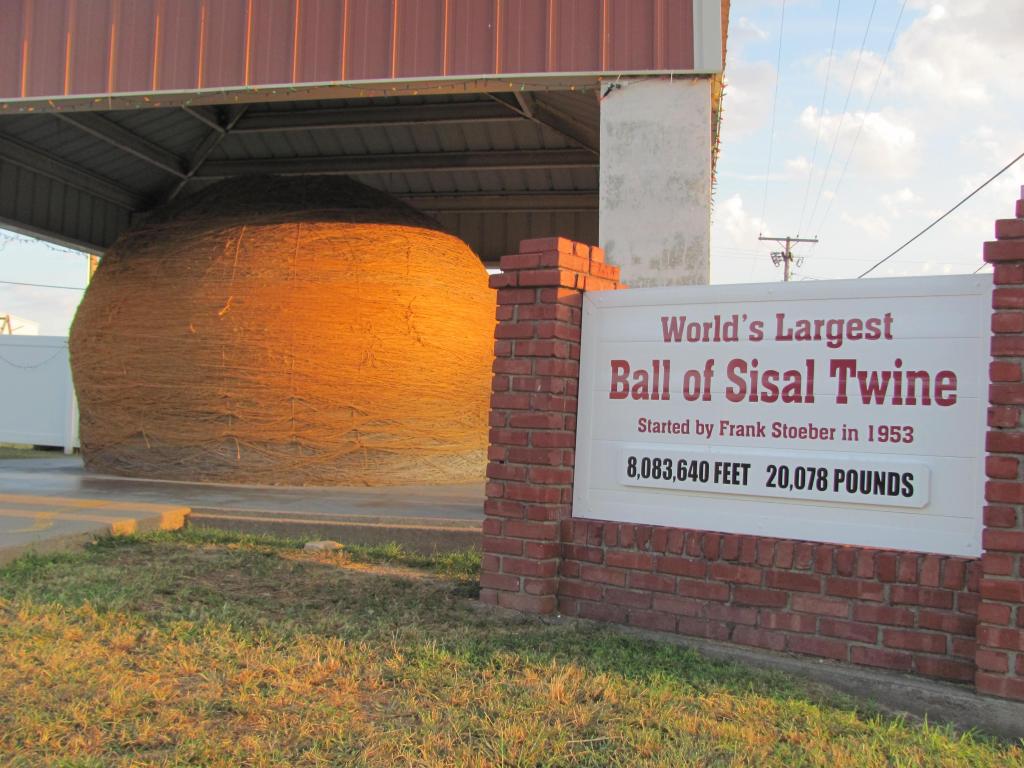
x=206 y=146
x=400 y=163
x=479 y=202
x=372 y=117
x=208 y=116
x=17 y=153
x=120 y=137
x=533 y=108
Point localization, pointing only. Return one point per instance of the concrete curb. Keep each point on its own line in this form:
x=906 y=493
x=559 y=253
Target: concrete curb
x=63 y=524
x=424 y=535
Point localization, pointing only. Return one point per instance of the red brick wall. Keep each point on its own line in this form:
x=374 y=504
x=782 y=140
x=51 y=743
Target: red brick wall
x=1000 y=656
x=939 y=616
x=898 y=610
x=533 y=416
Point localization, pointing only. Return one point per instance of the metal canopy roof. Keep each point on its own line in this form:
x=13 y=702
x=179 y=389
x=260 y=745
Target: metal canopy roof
x=483 y=113
x=493 y=168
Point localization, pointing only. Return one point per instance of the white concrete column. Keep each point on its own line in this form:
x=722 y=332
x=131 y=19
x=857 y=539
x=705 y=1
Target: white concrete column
x=655 y=214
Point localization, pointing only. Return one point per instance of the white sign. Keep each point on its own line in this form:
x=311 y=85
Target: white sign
x=850 y=411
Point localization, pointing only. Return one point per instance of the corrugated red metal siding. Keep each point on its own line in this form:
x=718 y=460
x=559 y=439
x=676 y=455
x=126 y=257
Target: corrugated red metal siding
x=44 y=29
x=134 y=44
x=368 y=39
x=177 y=60
x=224 y=39
x=52 y=48
x=272 y=48
x=321 y=28
x=577 y=34
x=472 y=30
x=419 y=25
x=88 y=47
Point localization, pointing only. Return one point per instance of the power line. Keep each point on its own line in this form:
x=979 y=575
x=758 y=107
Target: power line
x=775 y=101
x=867 y=110
x=990 y=179
x=41 y=285
x=821 y=111
x=846 y=104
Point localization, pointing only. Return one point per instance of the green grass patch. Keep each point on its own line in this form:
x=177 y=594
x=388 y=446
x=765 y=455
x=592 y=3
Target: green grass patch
x=463 y=565
x=15 y=451
x=213 y=649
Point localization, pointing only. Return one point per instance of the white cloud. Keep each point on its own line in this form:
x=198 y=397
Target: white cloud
x=736 y=253
x=901 y=202
x=871 y=224
x=743 y=30
x=887 y=144
x=967 y=52
x=946 y=115
x=747 y=100
x=798 y=166
x=733 y=225
x=846 y=68
x=901 y=197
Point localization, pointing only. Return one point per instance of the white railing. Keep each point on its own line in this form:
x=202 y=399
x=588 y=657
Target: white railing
x=37 y=397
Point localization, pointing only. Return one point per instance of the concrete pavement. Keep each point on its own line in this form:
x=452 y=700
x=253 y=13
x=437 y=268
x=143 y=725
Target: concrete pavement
x=37 y=523
x=422 y=518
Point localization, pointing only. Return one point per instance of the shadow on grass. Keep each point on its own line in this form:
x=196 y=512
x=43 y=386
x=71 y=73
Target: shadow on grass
x=266 y=586
x=583 y=693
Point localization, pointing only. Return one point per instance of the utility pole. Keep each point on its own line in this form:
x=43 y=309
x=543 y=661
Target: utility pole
x=786 y=257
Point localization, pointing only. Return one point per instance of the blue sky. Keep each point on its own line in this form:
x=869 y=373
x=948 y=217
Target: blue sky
x=26 y=261
x=948 y=112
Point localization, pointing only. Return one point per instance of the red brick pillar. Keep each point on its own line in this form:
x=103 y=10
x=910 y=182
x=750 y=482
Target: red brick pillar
x=533 y=416
x=1000 y=651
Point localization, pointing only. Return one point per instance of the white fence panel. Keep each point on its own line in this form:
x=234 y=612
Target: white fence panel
x=37 y=397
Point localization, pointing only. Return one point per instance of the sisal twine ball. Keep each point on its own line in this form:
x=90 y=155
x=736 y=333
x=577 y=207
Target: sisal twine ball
x=281 y=331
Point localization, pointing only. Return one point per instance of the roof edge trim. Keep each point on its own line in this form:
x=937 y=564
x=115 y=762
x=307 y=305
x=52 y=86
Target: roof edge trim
x=331 y=90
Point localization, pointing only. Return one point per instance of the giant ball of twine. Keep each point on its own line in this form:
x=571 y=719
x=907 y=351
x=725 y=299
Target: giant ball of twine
x=286 y=332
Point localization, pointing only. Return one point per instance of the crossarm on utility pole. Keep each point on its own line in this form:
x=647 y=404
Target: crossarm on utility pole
x=787 y=254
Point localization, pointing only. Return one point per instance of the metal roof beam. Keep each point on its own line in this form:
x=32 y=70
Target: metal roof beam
x=209 y=143
x=402 y=163
x=372 y=117
x=15 y=152
x=209 y=116
x=52 y=236
x=472 y=202
x=530 y=106
x=585 y=135
x=120 y=137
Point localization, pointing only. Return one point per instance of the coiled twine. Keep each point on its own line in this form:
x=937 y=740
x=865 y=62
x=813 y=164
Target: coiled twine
x=286 y=332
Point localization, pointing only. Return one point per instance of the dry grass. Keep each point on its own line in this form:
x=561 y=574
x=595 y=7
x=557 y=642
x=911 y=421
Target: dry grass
x=195 y=649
